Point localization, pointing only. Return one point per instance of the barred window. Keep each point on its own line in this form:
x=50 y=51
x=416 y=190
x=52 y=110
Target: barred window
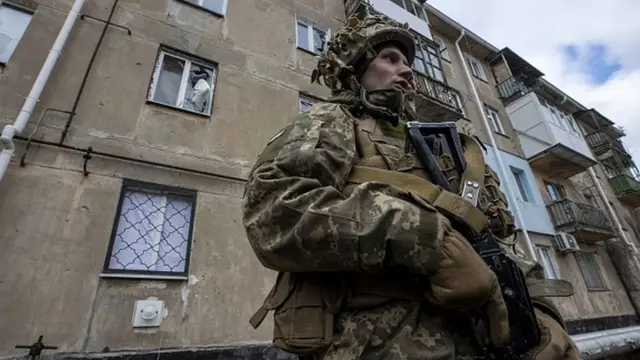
x=152 y=230
x=590 y=270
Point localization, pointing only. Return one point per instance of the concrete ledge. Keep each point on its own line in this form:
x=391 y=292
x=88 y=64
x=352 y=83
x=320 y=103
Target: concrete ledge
x=240 y=352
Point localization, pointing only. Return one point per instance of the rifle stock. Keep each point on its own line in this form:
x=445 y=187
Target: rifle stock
x=523 y=325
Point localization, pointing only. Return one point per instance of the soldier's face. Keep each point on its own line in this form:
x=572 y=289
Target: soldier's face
x=390 y=69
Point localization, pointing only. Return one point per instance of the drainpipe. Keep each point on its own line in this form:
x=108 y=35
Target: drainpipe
x=9 y=131
x=503 y=172
x=612 y=213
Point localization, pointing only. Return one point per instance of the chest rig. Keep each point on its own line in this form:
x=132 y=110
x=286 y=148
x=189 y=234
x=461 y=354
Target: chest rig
x=383 y=157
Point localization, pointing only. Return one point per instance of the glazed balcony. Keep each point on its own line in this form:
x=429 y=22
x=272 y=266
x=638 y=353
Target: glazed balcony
x=586 y=223
x=403 y=11
x=438 y=100
x=627 y=189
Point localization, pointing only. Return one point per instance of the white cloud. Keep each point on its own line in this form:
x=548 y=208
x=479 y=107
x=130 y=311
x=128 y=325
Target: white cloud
x=538 y=29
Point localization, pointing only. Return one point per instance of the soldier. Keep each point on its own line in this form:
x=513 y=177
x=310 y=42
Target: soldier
x=368 y=269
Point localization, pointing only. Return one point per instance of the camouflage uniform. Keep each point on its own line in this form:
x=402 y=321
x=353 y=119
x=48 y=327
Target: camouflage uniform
x=351 y=255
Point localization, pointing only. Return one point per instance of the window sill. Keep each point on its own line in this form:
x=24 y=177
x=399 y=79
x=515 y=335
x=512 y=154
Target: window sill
x=203 y=9
x=598 y=290
x=202 y=115
x=132 y=276
x=307 y=51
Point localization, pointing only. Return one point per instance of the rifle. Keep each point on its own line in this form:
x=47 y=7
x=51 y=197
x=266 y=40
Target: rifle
x=427 y=139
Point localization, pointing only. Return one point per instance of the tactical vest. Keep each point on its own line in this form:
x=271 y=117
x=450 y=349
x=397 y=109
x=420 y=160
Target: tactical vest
x=305 y=305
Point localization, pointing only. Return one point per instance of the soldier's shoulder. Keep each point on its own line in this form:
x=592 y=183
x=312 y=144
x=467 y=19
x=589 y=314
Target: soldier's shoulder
x=327 y=112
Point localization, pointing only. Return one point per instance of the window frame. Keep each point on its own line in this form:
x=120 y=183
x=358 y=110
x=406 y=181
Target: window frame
x=444 y=50
x=141 y=186
x=214 y=67
x=560 y=191
x=496 y=122
x=478 y=71
x=416 y=8
x=299 y=19
x=225 y=4
x=423 y=55
x=555 y=269
x=457 y=97
x=22 y=9
x=591 y=258
x=522 y=184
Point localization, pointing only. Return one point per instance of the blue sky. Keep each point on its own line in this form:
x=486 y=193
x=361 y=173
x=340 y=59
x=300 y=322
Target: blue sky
x=588 y=48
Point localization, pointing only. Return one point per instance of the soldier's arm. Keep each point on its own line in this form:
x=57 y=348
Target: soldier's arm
x=502 y=225
x=297 y=219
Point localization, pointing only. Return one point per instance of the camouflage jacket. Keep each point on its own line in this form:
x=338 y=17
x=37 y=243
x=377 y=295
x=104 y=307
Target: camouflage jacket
x=302 y=216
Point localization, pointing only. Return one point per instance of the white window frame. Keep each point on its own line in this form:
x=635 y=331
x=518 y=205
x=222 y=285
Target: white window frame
x=444 y=51
x=476 y=68
x=18 y=9
x=183 y=83
x=522 y=183
x=494 y=119
x=416 y=8
x=155 y=237
x=310 y=39
x=546 y=254
x=200 y=4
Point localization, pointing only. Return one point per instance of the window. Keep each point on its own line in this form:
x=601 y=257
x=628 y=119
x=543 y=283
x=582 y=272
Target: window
x=548 y=262
x=310 y=37
x=428 y=62
x=217 y=6
x=13 y=23
x=555 y=191
x=152 y=232
x=183 y=83
x=476 y=68
x=521 y=181
x=306 y=103
x=590 y=271
x=494 y=119
x=444 y=52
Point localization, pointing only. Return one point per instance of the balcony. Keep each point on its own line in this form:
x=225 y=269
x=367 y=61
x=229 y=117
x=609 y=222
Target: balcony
x=609 y=151
x=403 y=11
x=515 y=76
x=585 y=222
x=627 y=189
x=512 y=89
x=437 y=101
x=550 y=148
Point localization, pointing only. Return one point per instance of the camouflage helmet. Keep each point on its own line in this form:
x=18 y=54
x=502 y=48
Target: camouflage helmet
x=354 y=45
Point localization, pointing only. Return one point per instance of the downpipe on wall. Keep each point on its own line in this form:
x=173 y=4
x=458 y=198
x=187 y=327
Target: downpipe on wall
x=9 y=131
x=502 y=169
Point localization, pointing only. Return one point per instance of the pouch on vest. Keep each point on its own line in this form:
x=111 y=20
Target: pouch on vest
x=304 y=308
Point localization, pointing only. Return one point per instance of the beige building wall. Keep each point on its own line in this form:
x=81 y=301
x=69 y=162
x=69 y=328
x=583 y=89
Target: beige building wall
x=56 y=223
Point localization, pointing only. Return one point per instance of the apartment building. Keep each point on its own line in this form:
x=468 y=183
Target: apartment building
x=120 y=209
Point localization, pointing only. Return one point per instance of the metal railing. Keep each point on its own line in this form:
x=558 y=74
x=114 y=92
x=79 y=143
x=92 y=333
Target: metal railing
x=624 y=184
x=436 y=90
x=512 y=89
x=567 y=213
x=600 y=142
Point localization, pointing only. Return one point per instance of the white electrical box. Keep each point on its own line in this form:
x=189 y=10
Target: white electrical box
x=148 y=313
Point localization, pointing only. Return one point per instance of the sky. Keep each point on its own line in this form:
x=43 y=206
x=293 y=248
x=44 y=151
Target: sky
x=589 y=49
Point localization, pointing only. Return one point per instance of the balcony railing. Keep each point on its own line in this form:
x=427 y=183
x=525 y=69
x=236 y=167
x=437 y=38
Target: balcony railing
x=512 y=89
x=627 y=189
x=599 y=142
x=437 y=91
x=586 y=222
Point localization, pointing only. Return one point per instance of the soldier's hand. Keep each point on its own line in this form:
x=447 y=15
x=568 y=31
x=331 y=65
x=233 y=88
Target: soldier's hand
x=464 y=282
x=555 y=343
